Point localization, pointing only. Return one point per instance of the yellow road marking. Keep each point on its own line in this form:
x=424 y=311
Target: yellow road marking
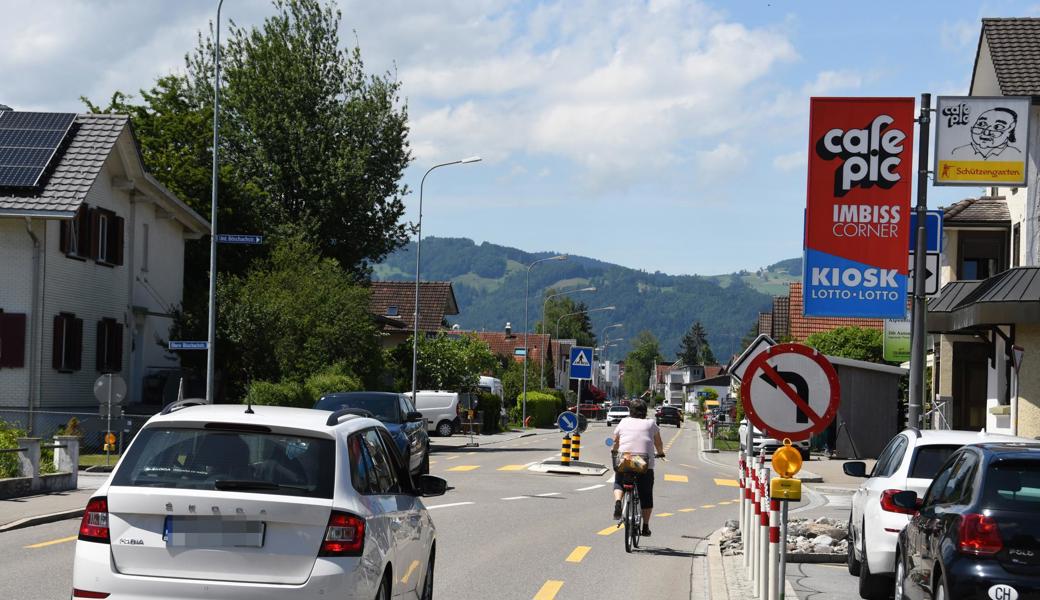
x=52 y=542
x=708 y=506
x=512 y=468
x=411 y=569
x=664 y=514
x=679 y=478
x=549 y=590
x=464 y=468
x=609 y=530
x=727 y=482
x=687 y=509
x=724 y=502
x=578 y=553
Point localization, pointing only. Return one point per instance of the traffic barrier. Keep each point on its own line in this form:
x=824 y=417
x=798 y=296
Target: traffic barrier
x=565 y=450
x=575 y=446
x=774 y=550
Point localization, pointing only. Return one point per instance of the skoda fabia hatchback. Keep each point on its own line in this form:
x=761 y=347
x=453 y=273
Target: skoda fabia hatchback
x=217 y=501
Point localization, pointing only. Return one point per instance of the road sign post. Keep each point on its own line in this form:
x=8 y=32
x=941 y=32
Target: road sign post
x=109 y=389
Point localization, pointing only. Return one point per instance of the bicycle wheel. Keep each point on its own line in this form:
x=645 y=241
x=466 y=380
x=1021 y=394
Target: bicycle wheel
x=629 y=523
x=637 y=521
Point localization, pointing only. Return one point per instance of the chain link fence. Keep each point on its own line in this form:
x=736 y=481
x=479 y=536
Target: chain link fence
x=89 y=427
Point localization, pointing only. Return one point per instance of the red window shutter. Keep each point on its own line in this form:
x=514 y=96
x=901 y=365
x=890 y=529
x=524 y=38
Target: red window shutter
x=115 y=346
x=59 y=332
x=63 y=237
x=115 y=250
x=76 y=345
x=83 y=227
x=12 y=340
x=95 y=232
x=100 y=346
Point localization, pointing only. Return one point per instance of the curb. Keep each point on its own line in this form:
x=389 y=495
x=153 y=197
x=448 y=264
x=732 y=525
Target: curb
x=42 y=519
x=816 y=558
x=717 y=589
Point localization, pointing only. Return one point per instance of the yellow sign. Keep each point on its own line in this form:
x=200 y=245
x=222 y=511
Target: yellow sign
x=781 y=488
x=711 y=403
x=110 y=438
x=787 y=461
x=981 y=170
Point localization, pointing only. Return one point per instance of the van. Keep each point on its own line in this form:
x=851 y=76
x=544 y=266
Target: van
x=492 y=385
x=440 y=409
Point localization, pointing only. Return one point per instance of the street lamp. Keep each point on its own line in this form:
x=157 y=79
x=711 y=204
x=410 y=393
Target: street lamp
x=418 y=241
x=580 y=312
x=603 y=335
x=527 y=293
x=211 y=337
x=541 y=368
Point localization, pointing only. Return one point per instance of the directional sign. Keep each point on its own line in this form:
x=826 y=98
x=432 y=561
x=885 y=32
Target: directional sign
x=567 y=422
x=234 y=238
x=757 y=347
x=933 y=225
x=931 y=274
x=581 y=362
x=182 y=345
x=791 y=391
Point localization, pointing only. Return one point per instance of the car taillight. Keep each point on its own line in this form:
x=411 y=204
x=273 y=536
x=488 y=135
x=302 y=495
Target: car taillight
x=94 y=525
x=345 y=535
x=889 y=506
x=979 y=535
x=88 y=594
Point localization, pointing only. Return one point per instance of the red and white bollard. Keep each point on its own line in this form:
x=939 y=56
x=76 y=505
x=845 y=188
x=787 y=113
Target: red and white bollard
x=763 y=539
x=740 y=493
x=756 y=514
x=774 y=550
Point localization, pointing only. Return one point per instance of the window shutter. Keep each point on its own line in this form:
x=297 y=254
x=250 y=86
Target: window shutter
x=94 y=216
x=57 y=359
x=63 y=236
x=12 y=340
x=76 y=345
x=115 y=346
x=115 y=250
x=100 y=346
x=83 y=222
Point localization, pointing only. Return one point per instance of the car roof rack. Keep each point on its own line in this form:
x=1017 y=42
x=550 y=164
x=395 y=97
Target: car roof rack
x=337 y=415
x=179 y=404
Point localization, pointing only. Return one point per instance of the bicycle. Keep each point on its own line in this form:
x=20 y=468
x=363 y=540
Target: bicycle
x=631 y=510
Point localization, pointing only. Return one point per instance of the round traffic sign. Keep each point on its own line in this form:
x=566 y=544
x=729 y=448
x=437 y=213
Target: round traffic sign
x=790 y=391
x=567 y=422
x=110 y=387
x=110 y=438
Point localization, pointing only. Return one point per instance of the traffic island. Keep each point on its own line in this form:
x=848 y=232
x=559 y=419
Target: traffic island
x=574 y=467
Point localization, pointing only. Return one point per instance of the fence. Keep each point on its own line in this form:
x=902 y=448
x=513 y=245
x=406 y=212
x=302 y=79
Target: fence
x=88 y=427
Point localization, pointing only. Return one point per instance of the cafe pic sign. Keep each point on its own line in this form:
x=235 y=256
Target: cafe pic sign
x=981 y=140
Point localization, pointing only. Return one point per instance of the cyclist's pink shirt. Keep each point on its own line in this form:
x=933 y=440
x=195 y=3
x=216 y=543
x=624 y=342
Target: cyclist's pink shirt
x=637 y=436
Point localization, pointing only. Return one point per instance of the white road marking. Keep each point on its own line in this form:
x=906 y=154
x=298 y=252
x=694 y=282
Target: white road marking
x=447 y=505
x=591 y=487
x=515 y=498
x=547 y=494
x=611 y=480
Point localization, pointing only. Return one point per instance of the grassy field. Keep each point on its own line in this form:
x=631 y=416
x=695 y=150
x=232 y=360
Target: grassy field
x=93 y=460
x=727 y=445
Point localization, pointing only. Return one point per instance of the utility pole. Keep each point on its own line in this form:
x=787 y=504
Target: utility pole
x=917 y=339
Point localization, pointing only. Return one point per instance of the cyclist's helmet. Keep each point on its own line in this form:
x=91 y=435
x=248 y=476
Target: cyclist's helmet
x=637 y=409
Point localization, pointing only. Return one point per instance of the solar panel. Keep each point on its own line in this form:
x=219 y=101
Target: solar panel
x=29 y=142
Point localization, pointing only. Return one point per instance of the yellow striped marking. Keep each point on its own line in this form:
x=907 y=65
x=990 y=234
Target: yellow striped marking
x=411 y=569
x=727 y=482
x=724 y=502
x=549 y=590
x=708 y=506
x=578 y=553
x=464 y=468
x=52 y=542
x=512 y=468
x=687 y=509
x=609 y=530
x=679 y=478
x=664 y=514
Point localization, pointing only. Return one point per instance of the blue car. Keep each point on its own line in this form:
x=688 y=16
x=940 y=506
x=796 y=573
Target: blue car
x=396 y=411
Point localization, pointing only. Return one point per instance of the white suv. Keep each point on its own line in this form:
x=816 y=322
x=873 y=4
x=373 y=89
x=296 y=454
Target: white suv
x=767 y=446
x=270 y=502
x=908 y=462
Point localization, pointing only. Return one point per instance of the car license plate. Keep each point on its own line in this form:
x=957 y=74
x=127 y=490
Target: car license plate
x=213 y=532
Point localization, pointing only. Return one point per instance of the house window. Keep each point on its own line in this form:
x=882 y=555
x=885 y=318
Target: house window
x=93 y=233
x=67 y=342
x=144 y=247
x=109 y=351
x=391 y=311
x=75 y=237
x=1016 y=244
x=982 y=254
x=12 y=340
x=102 y=237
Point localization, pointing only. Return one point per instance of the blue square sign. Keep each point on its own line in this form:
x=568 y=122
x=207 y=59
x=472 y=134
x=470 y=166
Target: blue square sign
x=581 y=362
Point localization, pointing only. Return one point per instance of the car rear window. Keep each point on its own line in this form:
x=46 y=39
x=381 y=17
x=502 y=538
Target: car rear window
x=384 y=407
x=1013 y=485
x=928 y=459
x=230 y=460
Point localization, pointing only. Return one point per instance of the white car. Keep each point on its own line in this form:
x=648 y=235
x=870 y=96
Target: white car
x=274 y=502
x=616 y=413
x=908 y=462
x=442 y=410
x=766 y=446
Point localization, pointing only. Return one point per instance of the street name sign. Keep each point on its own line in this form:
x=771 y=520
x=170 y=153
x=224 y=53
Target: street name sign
x=933 y=225
x=581 y=362
x=236 y=238
x=186 y=345
x=791 y=391
x=567 y=421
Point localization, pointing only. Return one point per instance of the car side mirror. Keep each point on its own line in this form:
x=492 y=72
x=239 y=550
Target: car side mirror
x=428 y=485
x=855 y=468
x=907 y=500
x=413 y=416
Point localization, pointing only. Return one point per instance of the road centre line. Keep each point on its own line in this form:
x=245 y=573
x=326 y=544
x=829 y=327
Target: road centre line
x=448 y=505
x=549 y=590
x=578 y=554
x=515 y=498
x=591 y=487
x=687 y=510
x=664 y=514
x=609 y=530
x=546 y=495
x=679 y=478
x=707 y=506
x=465 y=468
x=513 y=468
x=52 y=542
x=726 y=482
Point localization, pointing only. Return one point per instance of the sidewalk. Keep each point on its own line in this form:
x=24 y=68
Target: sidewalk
x=460 y=440
x=28 y=511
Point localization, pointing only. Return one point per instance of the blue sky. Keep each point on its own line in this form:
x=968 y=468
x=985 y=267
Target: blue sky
x=659 y=134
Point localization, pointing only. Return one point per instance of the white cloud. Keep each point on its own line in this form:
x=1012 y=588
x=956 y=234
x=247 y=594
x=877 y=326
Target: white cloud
x=791 y=161
x=960 y=35
x=829 y=82
x=722 y=161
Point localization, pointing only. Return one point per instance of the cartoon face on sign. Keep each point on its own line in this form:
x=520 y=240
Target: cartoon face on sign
x=992 y=135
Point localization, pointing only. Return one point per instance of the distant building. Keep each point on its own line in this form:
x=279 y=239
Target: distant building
x=392 y=305
x=787 y=321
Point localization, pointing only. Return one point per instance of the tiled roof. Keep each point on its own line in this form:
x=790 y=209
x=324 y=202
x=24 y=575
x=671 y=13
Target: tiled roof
x=978 y=210
x=713 y=370
x=1014 y=46
x=66 y=188
x=505 y=345
x=436 y=300
x=802 y=326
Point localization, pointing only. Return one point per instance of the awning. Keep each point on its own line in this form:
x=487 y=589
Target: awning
x=1012 y=297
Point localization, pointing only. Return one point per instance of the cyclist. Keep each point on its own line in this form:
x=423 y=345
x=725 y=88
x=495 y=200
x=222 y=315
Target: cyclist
x=638 y=435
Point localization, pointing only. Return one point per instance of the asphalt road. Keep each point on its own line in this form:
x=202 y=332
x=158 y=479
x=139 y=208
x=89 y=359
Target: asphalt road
x=506 y=532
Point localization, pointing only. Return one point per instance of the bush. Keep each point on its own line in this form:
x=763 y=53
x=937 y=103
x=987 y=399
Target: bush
x=9 y=460
x=335 y=379
x=286 y=393
x=542 y=408
x=490 y=410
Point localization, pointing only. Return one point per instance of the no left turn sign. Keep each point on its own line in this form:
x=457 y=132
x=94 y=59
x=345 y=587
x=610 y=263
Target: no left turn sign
x=790 y=391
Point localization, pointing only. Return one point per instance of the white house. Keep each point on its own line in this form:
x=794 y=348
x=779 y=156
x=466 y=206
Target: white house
x=91 y=266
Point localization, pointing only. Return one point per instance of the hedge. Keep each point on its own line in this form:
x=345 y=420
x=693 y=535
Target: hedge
x=490 y=411
x=319 y=384
x=285 y=393
x=542 y=408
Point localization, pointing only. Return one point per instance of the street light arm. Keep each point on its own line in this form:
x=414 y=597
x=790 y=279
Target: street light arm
x=541 y=357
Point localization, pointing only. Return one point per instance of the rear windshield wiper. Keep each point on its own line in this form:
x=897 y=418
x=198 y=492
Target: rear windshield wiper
x=253 y=484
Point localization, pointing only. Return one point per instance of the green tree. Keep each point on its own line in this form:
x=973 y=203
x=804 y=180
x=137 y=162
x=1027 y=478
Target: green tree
x=858 y=343
x=695 y=349
x=445 y=362
x=641 y=362
x=561 y=310
x=749 y=337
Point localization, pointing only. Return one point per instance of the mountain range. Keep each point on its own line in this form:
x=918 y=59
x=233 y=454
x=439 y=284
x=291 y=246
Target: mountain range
x=489 y=282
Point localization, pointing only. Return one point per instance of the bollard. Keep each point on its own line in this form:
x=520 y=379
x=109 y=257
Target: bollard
x=743 y=501
x=774 y=550
x=745 y=533
x=763 y=538
x=575 y=446
x=756 y=516
x=565 y=451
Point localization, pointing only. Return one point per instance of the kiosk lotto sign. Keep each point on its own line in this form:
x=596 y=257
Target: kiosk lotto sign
x=858 y=217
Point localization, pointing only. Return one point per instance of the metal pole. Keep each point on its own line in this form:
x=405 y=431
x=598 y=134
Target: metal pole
x=108 y=420
x=211 y=339
x=917 y=350
x=783 y=548
x=527 y=293
x=546 y=328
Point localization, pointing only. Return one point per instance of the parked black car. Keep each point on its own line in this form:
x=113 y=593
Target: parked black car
x=669 y=414
x=976 y=533
x=396 y=411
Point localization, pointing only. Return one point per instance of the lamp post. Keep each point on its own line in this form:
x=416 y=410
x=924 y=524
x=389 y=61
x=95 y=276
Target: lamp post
x=527 y=294
x=418 y=241
x=603 y=334
x=580 y=312
x=211 y=337
x=541 y=368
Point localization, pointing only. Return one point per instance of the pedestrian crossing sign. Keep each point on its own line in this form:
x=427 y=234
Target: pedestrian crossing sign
x=581 y=362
